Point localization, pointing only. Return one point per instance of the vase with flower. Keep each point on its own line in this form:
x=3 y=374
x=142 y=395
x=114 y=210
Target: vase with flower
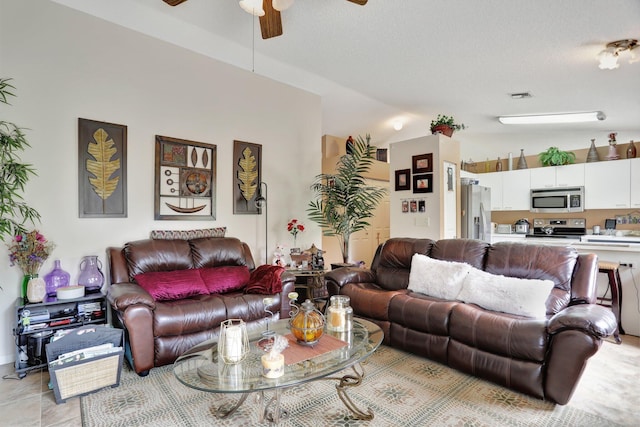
x=294 y=227
x=29 y=251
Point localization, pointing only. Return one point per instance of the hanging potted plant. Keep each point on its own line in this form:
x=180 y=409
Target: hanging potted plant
x=344 y=201
x=556 y=157
x=445 y=125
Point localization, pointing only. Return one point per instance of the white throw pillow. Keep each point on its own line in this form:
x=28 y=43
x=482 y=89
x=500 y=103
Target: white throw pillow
x=524 y=297
x=437 y=278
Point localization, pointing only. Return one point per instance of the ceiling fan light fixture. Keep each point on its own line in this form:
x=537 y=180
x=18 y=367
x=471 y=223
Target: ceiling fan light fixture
x=608 y=58
x=254 y=7
x=591 y=116
x=281 y=5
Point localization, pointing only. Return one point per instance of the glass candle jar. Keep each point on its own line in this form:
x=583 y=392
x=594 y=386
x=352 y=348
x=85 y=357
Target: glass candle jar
x=339 y=314
x=308 y=324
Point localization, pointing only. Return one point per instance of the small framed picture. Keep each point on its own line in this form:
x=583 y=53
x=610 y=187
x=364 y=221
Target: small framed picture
x=405 y=206
x=413 y=206
x=423 y=183
x=403 y=180
x=422 y=206
x=422 y=163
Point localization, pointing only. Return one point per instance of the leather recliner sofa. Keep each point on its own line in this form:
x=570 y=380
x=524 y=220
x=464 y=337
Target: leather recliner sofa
x=157 y=332
x=542 y=356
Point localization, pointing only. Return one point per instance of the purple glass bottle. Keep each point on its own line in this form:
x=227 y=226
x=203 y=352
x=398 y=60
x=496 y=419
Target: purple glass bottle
x=91 y=276
x=56 y=278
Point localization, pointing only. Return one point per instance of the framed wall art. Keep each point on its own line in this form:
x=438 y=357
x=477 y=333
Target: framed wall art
x=185 y=179
x=422 y=163
x=403 y=179
x=102 y=169
x=423 y=183
x=247 y=176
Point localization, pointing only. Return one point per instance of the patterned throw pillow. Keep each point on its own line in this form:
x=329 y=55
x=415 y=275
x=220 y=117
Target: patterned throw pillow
x=188 y=234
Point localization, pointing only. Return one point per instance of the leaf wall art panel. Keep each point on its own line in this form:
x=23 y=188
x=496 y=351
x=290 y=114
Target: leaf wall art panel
x=102 y=169
x=185 y=179
x=247 y=175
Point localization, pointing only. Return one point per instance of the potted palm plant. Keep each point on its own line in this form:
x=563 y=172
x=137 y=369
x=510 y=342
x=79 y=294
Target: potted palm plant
x=14 y=212
x=445 y=125
x=343 y=200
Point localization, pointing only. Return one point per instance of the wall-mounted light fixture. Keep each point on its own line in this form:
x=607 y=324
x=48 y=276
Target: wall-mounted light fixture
x=609 y=56
x=397 y=125
x=592 y=116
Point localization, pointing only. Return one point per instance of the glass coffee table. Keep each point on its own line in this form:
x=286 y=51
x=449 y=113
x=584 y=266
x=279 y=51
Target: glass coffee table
x=202 y=369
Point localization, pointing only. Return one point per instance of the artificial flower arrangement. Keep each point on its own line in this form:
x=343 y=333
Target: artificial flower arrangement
x=294 y=227
x=29 y=251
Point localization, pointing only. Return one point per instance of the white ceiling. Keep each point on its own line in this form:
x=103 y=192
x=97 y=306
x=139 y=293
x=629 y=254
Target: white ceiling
x=413 y=59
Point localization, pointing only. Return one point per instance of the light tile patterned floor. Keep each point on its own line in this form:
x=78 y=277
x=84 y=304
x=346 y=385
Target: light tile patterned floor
x=616 y=369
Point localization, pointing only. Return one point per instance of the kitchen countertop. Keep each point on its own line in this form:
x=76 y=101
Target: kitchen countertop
x=586 y=242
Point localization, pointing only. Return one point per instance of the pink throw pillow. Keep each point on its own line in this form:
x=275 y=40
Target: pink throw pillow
x=219 y=280
x=172 y=285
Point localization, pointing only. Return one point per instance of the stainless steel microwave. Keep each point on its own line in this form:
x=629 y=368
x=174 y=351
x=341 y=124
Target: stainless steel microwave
x=557 y=200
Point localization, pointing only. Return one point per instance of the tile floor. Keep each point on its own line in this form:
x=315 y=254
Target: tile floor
x=30 y=403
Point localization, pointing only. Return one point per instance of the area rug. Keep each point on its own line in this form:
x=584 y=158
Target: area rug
x=401 y=389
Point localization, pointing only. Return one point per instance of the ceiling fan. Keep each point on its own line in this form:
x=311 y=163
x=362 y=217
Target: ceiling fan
x=268 y=11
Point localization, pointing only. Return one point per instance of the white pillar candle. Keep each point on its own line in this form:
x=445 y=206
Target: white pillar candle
x=273 y=366
x=233 y=343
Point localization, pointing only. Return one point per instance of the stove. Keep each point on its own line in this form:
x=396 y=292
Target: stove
x=565 y=228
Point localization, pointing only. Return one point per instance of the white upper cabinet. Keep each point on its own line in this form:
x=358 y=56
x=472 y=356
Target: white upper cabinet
x=509 y=189
x=493 y=180
x=516 y=190
x=635 y=182
x=558 y=176
x=607 y=184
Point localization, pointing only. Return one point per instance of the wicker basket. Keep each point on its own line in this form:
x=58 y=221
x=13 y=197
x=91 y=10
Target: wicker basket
x=84 y=376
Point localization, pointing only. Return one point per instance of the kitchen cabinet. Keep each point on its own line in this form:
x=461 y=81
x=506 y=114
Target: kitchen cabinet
x=509 y=189
x=558 y=176
x=493 y=180
x=607 y=184
x=635 y=182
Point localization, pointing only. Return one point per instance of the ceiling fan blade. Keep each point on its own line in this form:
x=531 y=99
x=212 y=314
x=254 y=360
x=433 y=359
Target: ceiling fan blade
x=360 y=2
x=174 y=2
x=270 y=23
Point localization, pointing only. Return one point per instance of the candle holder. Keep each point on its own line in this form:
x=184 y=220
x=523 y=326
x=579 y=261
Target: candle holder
x=339 y=314
x=266 y=342
x=233 y=345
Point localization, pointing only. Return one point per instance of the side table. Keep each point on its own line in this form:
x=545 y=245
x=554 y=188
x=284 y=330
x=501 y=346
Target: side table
x=312 y=281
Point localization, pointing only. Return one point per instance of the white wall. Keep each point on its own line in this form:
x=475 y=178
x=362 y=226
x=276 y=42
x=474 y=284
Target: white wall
x=67 y=65
x=419 y=224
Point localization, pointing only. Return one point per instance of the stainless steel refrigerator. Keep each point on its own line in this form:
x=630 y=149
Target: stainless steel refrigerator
x=475 y=209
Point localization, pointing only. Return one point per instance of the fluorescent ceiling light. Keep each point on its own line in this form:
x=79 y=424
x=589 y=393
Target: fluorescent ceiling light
x=592 y=116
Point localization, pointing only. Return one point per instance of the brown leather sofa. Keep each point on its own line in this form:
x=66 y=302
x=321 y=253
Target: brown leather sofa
x=158 y=332
x=542 y=357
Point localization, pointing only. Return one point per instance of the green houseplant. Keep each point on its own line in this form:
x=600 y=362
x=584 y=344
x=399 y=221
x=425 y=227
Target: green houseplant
x=14 y=212
x=556 y=157
x=343 y=200
x=445 y=125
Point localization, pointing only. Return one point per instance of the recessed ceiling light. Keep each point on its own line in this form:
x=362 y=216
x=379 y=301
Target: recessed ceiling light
x=591 y=116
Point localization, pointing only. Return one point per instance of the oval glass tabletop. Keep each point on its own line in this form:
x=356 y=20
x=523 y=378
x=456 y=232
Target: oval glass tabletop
x=202 y=368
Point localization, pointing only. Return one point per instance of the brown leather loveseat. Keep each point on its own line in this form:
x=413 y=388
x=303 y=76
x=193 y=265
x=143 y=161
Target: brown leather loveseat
x=178 y=310
x=541 y=356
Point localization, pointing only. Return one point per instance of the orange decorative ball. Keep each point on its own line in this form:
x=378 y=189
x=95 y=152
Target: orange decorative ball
x=308 y=324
